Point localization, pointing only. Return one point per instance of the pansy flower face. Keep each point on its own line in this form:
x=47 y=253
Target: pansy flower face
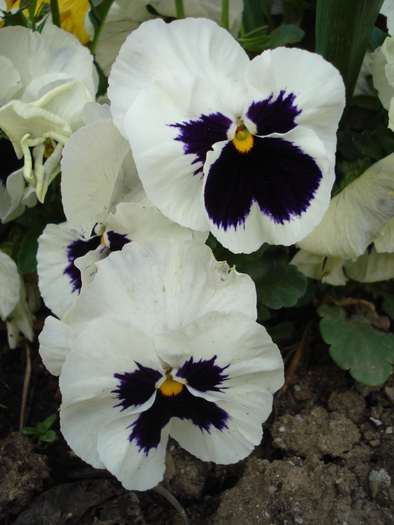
x=174 y=352
x=245 y=149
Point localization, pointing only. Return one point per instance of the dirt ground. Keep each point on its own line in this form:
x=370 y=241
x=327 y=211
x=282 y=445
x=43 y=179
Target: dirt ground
x=327 y=458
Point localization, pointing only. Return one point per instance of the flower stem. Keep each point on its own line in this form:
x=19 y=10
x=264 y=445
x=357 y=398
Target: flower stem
x=55 y=13
x=224 y=21
x=180 y=12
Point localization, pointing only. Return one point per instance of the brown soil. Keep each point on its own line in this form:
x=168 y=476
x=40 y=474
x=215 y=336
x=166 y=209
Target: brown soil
x=327 y=458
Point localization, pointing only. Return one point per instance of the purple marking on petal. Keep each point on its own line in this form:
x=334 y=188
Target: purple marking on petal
x=146 y=430
x=274 y=116
x=198 y=136
x=135 y=388
x=275 y=173
x=9 y=161
x=116 y=240
x=203 y=375
x=77 y=249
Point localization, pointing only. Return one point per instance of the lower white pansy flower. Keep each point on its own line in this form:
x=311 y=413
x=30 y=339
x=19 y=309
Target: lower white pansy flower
x=243 y=148
x=208 y=384
x=156 y=285
x=46 y=79
x=356 y=236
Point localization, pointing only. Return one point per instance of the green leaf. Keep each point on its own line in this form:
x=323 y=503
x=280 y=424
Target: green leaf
x=369 y=144
x=29 y=431
x=49 y=436
x=343 y=32
x=281 y=286
x=258 y=40
x=14 y=19
x=283 y=333
x=257 y=14
x=356 y=346
x=46 y=425
x=98 y=13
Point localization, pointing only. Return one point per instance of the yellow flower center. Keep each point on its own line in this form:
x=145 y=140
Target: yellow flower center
x=171 y=387
x=243 y=140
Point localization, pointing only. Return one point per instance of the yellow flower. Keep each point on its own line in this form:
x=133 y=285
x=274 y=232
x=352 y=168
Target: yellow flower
x=72 y=15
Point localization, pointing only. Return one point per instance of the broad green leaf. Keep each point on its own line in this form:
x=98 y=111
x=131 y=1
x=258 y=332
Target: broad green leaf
x=369 y=144
x=343 y=32
x=49 y=421
x=29 y=431
x=281 y=286
x=257 y=13
x=356 y=346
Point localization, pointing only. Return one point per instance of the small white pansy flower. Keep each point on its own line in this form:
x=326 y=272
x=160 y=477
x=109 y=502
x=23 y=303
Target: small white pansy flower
x=355 y=239
x=46 y=80
x=156 y=285
x=174 y=352
x=106 y=208
x=243 y=148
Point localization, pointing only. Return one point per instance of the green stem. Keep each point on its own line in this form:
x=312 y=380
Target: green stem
x=102 y=17
x=55 y=13
x=224 y=21
x=180 y=12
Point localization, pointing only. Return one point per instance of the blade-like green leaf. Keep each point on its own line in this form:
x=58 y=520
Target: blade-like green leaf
x=343 y=32
x=356 y=346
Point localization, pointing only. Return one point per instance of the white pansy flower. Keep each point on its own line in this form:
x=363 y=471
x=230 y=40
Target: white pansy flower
x=46 y=80
x=186 y=360
x=355 y=239
x=387 y=10
x=245 y=149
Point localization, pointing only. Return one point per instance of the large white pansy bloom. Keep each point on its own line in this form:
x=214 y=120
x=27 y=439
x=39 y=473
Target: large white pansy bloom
x=45 y=82
x=174 y=349
x=243 y=148
x=355 y=239
x=125 y=16
x=105 y=206
x=14 y=306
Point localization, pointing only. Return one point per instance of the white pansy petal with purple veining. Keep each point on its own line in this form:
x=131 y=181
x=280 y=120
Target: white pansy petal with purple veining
x=157 y=50
x=59 y=279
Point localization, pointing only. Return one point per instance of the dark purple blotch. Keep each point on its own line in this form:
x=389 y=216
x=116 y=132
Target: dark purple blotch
x=135 y=388
x=275 y=173
x=116 y=240
x=77 y=249
x=274 y=116
x=198 y=136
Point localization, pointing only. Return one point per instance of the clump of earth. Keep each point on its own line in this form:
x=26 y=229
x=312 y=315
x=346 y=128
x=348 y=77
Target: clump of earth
x=327 y=458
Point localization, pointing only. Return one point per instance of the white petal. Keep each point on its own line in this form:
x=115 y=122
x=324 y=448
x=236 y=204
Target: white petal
x=97 y=171
x=384 y=242
x=54 y=346
x=387 y=10
x=317 y=85
x=19 y=195
x=135 y=469
x=371 y=267
x=356 y=215
x=327 y=269
x=93 y=112
x=20 y=321
x=161 y=285
x=10 y=285
x=173 y=179
x=87 y=382
x=157 y=50
x=259 y=227
x=10 y=80
x=56 y=286
x=382 y=62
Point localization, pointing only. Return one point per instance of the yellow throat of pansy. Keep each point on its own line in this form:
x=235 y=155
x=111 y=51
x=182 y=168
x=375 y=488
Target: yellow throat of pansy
x=243 y=140
x=171 y=387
